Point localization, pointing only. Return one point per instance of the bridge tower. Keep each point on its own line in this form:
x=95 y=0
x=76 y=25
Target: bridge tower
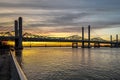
x=111 y=41
x=16 y=34
x=117 y=41
x=83 y=37
x=20 y=33
x=88 y=36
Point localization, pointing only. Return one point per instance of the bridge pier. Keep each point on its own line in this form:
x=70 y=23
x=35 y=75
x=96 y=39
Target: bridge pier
x=96 y=45
x=83 y=37
x=75 y=45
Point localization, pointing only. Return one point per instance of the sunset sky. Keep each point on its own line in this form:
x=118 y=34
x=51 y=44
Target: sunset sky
x=62 y=17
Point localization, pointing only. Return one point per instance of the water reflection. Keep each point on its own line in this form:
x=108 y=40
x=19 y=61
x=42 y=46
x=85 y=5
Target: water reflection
x=70 y=64
x=89 y=61
x=75 y=56
x=18 y=54
x=83 y=56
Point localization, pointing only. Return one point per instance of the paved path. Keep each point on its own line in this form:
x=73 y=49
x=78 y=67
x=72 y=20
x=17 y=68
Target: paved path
x=4 y=65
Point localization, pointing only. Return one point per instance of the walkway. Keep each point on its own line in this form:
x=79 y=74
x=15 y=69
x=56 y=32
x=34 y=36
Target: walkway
x=4 y=65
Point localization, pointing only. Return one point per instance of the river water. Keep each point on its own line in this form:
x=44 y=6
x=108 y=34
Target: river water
x=51 y=63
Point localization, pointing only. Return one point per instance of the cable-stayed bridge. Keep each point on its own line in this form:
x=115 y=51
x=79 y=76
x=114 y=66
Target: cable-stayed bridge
x=19 y=37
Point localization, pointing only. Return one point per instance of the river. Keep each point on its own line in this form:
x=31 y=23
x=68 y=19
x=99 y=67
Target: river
x=60 y=63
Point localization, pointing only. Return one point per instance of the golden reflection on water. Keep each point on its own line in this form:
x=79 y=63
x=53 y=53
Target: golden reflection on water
x=49 y=44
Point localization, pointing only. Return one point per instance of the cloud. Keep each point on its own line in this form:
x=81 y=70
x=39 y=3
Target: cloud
x=61 y=4
x=44 y=4
x=70 y=15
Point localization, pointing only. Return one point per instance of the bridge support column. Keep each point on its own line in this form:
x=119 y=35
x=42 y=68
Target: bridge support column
x=117 y=41
x=111 y=41
x=89 y=36
x=75 y=45
x=96 y=45
x=20 y=33
x=83 y=37
x=16 y=34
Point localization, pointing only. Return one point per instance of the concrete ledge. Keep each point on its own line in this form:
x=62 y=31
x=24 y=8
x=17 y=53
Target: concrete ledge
x=20 y=72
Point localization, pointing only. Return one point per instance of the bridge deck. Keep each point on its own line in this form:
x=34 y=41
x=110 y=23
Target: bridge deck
x=53 y=40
